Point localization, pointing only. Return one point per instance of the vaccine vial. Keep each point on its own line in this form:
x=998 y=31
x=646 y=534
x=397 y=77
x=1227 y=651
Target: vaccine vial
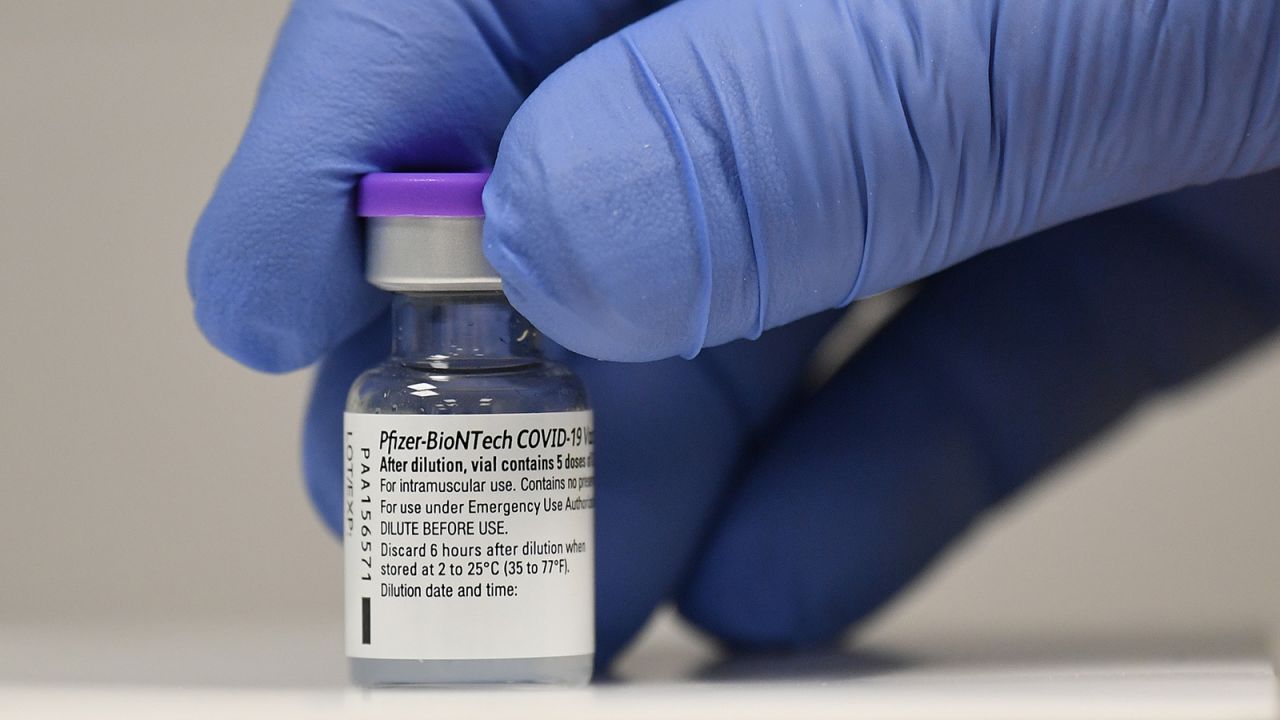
x=468 y=465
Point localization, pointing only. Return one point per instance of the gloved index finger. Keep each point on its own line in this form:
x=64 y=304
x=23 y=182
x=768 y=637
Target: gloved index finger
x=726 y=166
x=275 y=259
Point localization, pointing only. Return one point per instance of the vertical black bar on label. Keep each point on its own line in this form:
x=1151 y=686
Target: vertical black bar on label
x=364 y=621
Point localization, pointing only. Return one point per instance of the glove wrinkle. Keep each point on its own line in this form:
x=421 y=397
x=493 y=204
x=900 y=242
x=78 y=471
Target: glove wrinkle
x=746 y=196
x=701 y=314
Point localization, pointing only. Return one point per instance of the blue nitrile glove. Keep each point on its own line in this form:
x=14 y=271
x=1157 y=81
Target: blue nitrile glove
x=724 y=167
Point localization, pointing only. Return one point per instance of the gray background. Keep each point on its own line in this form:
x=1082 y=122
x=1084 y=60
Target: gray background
x=148 y=479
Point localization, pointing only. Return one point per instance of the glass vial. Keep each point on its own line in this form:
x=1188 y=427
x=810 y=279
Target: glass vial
x=468 y=466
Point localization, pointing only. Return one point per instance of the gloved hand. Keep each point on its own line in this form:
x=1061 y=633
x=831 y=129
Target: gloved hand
x=727 y=169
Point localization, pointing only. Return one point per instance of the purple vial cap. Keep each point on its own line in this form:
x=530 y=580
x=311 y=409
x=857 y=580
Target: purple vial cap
x=440 y=194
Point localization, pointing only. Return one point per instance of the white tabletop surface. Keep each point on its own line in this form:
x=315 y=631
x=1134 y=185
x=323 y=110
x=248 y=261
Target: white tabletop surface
x=240 y=671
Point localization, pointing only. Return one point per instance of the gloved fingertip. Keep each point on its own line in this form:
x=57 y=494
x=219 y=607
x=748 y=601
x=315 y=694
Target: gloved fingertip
x=230 y=291
x=257 y=345
x=738 y=596
x=563 y=297
x=587 y=219
x=272 y=297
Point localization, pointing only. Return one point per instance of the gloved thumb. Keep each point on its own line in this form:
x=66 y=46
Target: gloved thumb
x=723 y=167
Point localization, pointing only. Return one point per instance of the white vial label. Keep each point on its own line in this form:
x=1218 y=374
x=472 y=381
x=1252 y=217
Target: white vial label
x=469 y=536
